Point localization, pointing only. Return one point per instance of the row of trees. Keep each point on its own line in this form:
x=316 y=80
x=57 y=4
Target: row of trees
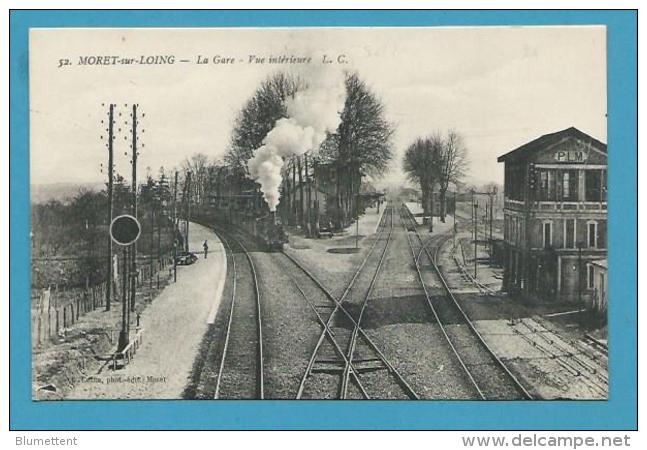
x=75 y=231
x=434 y=162
x=361 y=145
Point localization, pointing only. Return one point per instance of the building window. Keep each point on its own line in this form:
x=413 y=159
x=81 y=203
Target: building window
x=569 y=185
x=595 y=185
x=547 y=185
x=590 y=276
x=515 y=238
x=548 y=234
x=592 y=237
x=569 y=233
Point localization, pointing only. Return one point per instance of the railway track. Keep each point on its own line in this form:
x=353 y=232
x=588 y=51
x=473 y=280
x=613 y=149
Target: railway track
x=490 y=377
x=572 y=359
x=240 y=371
x=344 y=354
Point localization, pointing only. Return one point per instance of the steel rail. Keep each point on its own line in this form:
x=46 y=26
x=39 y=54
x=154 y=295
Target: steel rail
x=353 y=340
x=556 y=344
x=370 y=342
x=601 y=347
x=230 y=320
x=260 y=382
x=520 y=388
x=568 y=360
x=329 y=333
x=437 y=318
x=562 y=361
x=339 y=307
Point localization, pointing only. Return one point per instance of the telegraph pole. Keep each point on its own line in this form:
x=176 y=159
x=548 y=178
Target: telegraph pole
x=294 y=191
x=454 y=227
x=579 y=273
x=309 y=198
x=474 y=220
x=188 y=210
x=491 y=219
x=485 y=222
x=123 y=334
x=175 y=227
x=472 y=215
x=431 y=211
x=162 y=201
x=356 y=225
x=110 y=180
x=316 y=204
x=301 y=198
x=150 y=278
x=133 y=277
x=353 y=200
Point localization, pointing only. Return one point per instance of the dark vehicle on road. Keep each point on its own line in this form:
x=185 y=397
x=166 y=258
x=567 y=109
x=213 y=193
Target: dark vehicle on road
x=185 y=258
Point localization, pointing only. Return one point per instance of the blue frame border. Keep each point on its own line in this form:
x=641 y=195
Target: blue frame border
x=618 y=413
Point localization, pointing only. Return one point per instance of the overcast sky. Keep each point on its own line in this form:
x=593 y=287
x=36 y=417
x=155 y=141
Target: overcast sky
x=498 y=86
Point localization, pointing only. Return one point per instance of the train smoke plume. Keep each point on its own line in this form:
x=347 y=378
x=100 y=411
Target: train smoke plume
x=311 y=113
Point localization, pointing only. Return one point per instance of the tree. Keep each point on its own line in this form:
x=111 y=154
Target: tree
x=421 y=163
x=452 y=161
x=197 y=164
x=122 y=196
x=258 y=117
x=48 y=227
x=361 y=145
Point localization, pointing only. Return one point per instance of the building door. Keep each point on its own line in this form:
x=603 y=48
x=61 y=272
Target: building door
x=547 y=276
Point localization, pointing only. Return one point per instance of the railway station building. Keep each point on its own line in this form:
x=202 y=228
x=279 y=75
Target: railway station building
x=555 y=216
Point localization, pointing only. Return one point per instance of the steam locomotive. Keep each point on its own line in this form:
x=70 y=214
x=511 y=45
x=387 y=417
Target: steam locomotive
x=267 y=229
x=270 y=232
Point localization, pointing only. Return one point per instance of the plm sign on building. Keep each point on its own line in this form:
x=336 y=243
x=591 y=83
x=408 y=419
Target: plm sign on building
x=571 y=156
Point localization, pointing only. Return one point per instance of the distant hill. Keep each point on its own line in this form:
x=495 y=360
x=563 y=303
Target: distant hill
x=42 y=193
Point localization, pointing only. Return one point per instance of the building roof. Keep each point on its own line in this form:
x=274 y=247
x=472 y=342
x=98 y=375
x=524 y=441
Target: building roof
x=550 y=139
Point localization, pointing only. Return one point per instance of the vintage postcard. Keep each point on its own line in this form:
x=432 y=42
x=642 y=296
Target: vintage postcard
x=319 y=213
